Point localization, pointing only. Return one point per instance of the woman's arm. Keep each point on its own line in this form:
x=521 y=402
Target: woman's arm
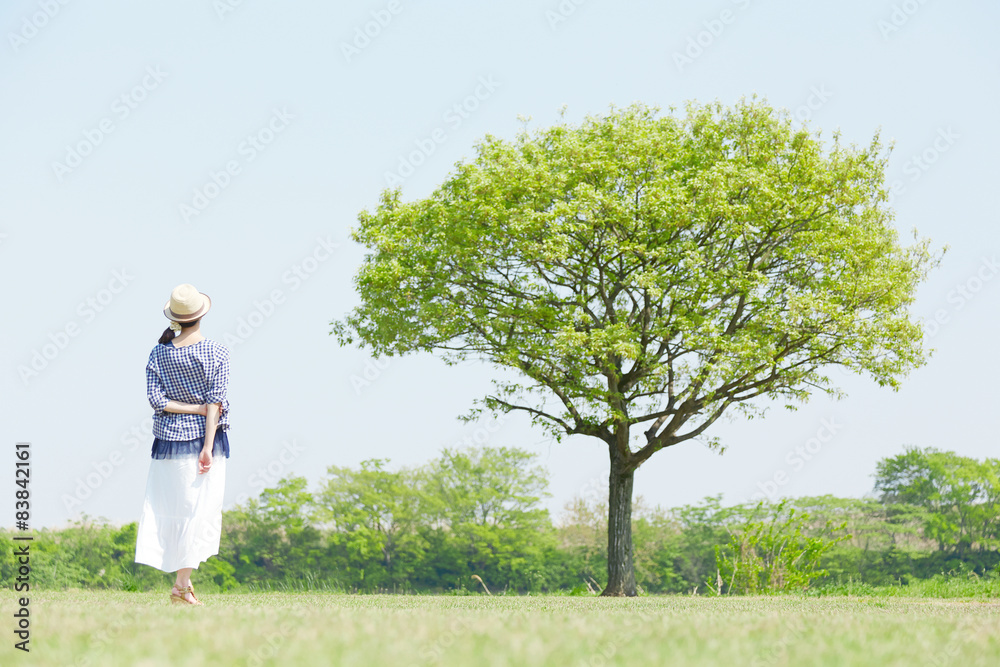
x=186 y=408
x=211 y=424
x=154 y=385
x=215 y=395
x=157 y=395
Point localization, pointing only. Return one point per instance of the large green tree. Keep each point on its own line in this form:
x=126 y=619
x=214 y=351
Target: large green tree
x=645 y=273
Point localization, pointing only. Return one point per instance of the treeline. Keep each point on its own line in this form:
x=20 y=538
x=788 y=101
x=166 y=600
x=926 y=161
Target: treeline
x=472 y=519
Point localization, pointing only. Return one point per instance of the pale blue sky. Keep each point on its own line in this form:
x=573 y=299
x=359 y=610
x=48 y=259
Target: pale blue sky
x=116 y=113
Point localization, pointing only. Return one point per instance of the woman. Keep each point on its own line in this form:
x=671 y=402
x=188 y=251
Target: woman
x=186 y=382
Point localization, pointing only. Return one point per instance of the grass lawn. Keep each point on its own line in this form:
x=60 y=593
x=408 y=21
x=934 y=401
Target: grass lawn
x=118 y=628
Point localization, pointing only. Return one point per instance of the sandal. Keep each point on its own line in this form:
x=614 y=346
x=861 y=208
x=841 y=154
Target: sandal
x=179 y=596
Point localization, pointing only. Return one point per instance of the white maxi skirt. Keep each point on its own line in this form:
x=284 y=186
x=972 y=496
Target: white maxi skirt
x=181 y=522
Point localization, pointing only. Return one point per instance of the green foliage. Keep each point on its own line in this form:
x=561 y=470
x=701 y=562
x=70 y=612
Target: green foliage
x=86 y=554
x=772 y=554
x=486 y=486
x=582 y=539
x=941 y=585
x=220 y=573
x=269 y=537
x=477 y=512
x=701 y=527
x=959 y=496
x=468 y=512
x=647 y=270
x=484 y=501
x=373 y=514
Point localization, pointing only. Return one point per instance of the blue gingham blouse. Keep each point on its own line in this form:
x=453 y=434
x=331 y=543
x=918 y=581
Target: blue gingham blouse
x=196 y=373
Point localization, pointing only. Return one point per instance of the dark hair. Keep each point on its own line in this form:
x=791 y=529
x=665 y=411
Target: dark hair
x=168 y=333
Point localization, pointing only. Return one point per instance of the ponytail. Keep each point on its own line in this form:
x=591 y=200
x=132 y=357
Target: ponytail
x=168 y=333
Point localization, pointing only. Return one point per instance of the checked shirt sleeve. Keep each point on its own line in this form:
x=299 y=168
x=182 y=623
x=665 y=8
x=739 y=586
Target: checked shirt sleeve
x=154 y=385
x=218 y=377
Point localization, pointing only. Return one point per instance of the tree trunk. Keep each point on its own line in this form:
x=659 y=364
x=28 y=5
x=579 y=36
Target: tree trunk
x=621 y=572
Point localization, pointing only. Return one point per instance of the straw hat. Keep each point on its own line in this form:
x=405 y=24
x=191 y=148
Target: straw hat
x=186 y=304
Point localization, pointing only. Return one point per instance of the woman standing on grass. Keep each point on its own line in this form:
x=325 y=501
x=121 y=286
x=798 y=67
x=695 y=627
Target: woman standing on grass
x=186 y=381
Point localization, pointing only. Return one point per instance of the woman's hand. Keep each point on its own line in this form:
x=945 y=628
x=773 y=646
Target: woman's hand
x=211 y=424
x=205 y=461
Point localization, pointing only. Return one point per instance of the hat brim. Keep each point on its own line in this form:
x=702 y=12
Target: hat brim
x=206 y=305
